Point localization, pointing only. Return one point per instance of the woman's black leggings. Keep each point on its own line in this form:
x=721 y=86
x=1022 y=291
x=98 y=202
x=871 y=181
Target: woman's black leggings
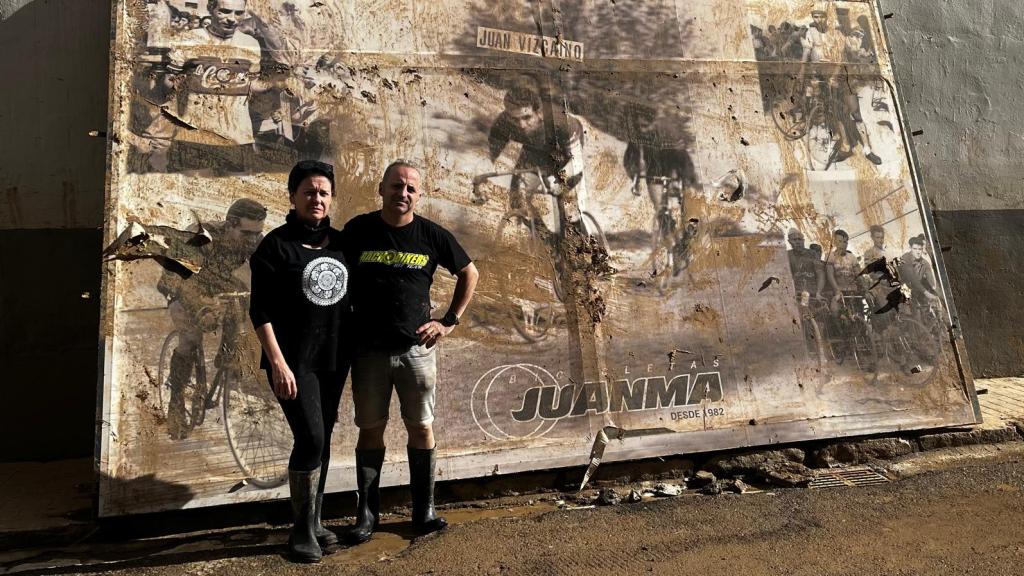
x=311 y=416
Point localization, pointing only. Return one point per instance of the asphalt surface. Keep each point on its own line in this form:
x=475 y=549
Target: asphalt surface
x=949 y=514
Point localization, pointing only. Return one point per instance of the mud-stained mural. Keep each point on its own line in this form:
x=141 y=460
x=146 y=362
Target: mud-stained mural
x=696 y=222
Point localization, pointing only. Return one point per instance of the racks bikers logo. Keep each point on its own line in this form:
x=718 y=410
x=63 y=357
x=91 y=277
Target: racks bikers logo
x=324 y=281
x=394 y=258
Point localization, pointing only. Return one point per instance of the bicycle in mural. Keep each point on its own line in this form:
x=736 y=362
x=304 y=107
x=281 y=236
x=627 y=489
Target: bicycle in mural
x=540 y=225
x=256 y=431
x=673 y=233
x=834 y=57
x=810 y=114
x=909 y=341
x=914 y=340
x=847 y=331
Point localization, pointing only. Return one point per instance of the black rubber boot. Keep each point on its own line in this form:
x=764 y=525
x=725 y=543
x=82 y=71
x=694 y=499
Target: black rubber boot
x=368 y=465
x=324 y=537
x=302 y=544
x=421 y=482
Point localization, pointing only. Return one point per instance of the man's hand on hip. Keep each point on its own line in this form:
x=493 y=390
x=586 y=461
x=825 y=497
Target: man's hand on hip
x=432 y=332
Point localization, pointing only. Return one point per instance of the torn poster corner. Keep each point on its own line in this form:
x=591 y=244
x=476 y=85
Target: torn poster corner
x=138 y=242
x=601 y=441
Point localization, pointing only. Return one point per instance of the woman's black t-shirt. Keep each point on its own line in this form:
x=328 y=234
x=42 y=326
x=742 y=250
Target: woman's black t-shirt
x=392 y=270
x=303 y=293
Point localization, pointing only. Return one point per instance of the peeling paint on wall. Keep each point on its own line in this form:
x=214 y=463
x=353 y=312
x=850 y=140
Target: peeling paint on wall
x=672 y=230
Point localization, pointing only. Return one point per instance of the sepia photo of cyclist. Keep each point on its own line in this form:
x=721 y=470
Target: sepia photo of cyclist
x=657 y=158
x=203 y=302
x=549 y=151
x=226 y=87
x=830 y=91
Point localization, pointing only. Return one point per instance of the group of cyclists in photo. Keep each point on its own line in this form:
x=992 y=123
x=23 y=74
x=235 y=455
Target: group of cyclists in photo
x=826 y=89
x=843 y=296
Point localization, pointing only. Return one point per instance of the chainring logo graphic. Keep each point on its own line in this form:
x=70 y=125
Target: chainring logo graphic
x=324 y=281
x=504 y=386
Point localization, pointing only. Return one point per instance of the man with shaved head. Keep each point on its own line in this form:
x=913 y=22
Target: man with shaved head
x=393 y=254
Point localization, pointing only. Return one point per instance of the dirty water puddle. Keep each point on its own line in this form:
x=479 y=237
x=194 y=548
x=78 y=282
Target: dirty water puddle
x=394 y=536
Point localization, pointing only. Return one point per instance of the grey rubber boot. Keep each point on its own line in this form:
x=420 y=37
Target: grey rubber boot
x=421 y=483
x=368 y=465
x=302 y=544
x=324 y=537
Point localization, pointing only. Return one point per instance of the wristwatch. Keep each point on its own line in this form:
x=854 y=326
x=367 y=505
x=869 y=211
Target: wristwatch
x=450 y=319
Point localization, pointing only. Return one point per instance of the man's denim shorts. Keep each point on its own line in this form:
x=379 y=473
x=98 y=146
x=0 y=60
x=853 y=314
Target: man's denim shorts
x=412 y=372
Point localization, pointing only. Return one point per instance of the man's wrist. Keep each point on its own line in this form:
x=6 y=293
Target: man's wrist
x=449 y=320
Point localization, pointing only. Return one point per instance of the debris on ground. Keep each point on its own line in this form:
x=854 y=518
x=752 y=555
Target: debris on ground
x=601 y=440
x=752 y=462
x=788 y=475
x=608 y=497
x=777 y=467
x=584 y=499
x=563 y=505
x=633 y=497
x=737 y=486
x=859 y=452
x=1007 y=433
x=664 y=490
x=701 y=479
x=712 y=489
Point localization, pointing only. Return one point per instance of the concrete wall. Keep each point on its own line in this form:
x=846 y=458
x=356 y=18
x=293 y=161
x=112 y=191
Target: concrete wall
x=51 y=205
x=958 y=65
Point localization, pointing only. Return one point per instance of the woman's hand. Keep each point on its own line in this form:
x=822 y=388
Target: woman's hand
x=284 y=381
x=281 y=377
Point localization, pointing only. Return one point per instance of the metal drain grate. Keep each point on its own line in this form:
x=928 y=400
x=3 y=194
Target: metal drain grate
x=847 y=477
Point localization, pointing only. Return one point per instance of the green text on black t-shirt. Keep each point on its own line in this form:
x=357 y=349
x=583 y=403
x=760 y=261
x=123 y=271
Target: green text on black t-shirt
x=392 y=270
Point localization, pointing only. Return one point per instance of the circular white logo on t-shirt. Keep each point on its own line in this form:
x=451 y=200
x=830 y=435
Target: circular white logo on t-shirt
x=324 y=281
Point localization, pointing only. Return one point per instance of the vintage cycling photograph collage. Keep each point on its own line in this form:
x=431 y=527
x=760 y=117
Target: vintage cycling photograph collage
x=721 y=188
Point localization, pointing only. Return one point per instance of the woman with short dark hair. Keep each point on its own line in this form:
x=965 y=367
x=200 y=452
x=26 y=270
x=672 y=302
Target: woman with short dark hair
x=299 y=305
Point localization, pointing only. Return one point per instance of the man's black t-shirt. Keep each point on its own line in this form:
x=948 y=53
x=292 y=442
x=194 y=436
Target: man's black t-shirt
x=392 y=270
x=303 y=293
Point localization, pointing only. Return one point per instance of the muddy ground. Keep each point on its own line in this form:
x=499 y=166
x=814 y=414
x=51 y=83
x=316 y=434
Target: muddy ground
x=943 y=516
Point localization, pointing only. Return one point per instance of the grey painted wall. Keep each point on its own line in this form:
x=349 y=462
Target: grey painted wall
x=959 y=66
x=54 y=73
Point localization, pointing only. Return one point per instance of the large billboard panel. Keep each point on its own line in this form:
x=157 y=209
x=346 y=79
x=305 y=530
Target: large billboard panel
x=696 y=222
